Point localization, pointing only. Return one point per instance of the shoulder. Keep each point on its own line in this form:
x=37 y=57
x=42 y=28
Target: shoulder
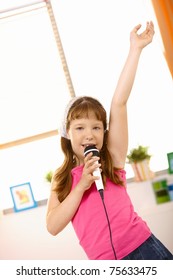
x=122 y=175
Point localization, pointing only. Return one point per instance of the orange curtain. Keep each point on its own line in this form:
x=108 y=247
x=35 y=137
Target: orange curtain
x=164 y=14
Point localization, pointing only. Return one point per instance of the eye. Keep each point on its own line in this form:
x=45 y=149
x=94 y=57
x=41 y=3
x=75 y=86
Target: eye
x=97 y=128
x=79 y=128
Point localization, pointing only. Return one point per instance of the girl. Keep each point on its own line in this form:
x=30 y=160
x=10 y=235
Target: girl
x=107 y=228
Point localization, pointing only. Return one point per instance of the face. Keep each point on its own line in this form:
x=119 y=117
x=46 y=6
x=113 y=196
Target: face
x=83 y=132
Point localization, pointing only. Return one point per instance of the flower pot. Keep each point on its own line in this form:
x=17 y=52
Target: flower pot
x=142 y=170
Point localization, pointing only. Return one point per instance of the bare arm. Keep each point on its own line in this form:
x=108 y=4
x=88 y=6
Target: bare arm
x=60 y=214
x=118 y=127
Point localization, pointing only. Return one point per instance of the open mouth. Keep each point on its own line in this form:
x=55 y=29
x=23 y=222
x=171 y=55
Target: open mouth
x=86 y=145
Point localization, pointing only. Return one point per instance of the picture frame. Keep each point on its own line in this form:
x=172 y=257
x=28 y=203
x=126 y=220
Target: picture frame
x=161 y=191
x=170 y=162
x=22 y=196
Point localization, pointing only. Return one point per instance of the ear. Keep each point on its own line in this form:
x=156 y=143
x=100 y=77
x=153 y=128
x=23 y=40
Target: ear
x=68 y=136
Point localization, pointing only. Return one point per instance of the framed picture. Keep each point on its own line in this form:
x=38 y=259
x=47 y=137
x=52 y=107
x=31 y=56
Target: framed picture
x=170 y=162
x=161 y=192
x=22 y=196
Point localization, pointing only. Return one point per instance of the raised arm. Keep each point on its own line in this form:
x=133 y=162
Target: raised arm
x=118 y=127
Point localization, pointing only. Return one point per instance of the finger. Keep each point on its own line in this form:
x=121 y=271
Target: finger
x=88 y=156
x=150 y=26
x=136 y=28
x=89 y=161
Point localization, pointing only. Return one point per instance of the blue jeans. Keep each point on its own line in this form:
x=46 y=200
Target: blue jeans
x=151 y=249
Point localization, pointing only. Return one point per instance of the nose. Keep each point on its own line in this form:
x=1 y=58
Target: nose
x=89 y=138
x=89 y=135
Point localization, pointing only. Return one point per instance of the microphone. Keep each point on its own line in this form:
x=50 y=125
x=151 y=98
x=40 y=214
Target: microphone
x=100 y=187
x=95 y=151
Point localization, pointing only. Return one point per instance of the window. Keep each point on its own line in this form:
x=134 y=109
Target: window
x=34 y=90
x=32 y=77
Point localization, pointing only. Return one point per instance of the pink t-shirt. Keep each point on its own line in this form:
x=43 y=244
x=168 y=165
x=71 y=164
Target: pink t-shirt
x=91 y=226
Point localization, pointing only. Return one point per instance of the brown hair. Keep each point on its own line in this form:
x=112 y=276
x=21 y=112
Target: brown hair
x=62 y=179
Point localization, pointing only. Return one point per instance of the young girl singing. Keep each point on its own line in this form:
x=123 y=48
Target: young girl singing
x=107 y=225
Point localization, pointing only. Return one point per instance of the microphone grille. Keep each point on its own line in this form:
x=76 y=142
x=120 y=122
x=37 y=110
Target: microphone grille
x=90 y=149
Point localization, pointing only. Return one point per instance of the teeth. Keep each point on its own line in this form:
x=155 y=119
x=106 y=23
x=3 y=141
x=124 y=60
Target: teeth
x=86 y=145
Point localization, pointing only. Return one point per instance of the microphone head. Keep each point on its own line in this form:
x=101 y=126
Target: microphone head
x=89 y=149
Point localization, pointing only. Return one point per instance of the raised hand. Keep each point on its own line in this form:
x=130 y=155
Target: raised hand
x=143 y=39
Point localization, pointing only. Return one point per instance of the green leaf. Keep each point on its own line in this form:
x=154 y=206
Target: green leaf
x=138 y=154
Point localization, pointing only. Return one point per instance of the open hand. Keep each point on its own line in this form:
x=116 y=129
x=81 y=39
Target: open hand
x=143 y=39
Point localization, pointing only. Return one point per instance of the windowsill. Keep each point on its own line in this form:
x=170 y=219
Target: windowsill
x=129 y=181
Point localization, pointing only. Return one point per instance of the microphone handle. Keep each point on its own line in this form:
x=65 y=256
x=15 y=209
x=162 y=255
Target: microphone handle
x=99 y=183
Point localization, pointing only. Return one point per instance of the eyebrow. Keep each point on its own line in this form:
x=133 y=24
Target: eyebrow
x=96 y=123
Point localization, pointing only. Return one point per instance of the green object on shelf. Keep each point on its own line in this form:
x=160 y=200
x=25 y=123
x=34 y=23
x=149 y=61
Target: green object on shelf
x=161 y=184
x=170 y=162
x=162 y=196
x=161 y=192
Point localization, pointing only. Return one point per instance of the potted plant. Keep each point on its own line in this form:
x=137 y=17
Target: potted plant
x=48 y=176
x=139 y=158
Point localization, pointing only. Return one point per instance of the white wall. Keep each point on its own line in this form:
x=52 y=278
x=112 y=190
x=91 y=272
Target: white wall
x=24 y=236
